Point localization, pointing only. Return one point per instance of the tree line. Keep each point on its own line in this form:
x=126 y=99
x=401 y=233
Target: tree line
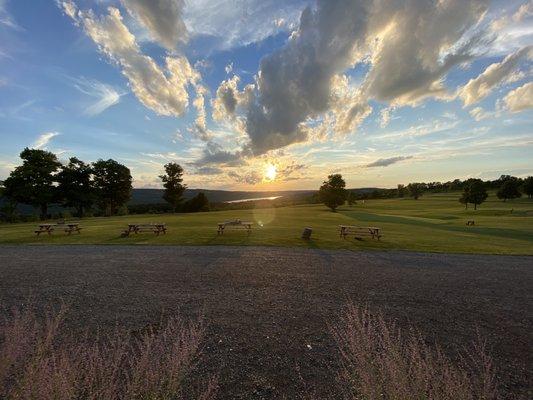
x=43 y=180
x=333 y=192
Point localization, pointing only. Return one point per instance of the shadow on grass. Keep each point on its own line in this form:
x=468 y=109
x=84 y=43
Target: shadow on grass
x=500 y=232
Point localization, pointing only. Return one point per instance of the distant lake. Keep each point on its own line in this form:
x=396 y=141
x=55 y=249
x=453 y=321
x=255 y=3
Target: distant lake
x=256 y=198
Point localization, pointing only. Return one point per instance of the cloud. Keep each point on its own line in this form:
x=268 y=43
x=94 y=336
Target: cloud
x=5 y=17
x=385 y=162
x=415 y=43
x=208 y=171
x=479 y=114
x=240 y=23
x=43 y=140
x=213 y=153
x=303 y=82
x=106 y=95
x=162 y=18
x=163 y=90
x=519 y=99
x=249 y=178
x=494 y=75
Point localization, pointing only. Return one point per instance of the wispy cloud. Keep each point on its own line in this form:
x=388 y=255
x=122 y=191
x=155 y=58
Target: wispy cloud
x=43 y=139
x=385 y=162
x=106 y=95
x=5 y=18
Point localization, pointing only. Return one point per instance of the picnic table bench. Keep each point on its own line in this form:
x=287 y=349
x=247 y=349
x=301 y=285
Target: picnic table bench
x=49 y=228
x=45 y=228
x=139 y=228
x=359 y=231
x=234 y=224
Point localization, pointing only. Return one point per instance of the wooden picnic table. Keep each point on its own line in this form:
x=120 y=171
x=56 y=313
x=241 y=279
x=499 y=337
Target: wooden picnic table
x=359 y=231
x=45 y=228
x=72 y=227
x=48 y=228
x=138 y=228
x=234 y=224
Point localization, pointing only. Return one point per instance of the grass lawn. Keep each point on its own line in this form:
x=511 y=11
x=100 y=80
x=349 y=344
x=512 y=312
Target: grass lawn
x=434 y=223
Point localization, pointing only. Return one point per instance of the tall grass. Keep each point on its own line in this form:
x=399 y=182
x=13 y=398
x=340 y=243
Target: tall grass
x=381 y=361
x=39 y=361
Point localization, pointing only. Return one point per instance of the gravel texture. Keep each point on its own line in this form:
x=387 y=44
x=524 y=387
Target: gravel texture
x=269 y=309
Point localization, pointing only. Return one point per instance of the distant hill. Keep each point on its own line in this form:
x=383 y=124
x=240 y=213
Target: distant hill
x=155 y=196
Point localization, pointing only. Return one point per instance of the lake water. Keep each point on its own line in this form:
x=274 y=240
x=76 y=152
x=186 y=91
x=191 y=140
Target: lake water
x=256 y=198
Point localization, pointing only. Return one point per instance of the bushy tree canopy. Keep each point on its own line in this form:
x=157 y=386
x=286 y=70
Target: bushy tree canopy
x=33 y=182
x=509 y=189
x=112 y=185
x=75 y=186
x=474 y=192
x=332 y=192
x=172 y=182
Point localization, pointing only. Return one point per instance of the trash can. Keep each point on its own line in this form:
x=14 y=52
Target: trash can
x=306 y=234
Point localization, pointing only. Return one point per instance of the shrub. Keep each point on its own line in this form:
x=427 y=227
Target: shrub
x=37 y=362
x=380 y=361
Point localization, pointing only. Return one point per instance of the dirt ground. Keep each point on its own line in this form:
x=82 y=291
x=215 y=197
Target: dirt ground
x=269 y=309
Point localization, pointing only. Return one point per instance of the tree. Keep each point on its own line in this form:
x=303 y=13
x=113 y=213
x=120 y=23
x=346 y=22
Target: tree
x=415 y=190
x=474 y=192
x=33 y=182
x=528 y=186
x=197 y=203
x=509 y=189
x=352 y=198
x=172 y=182
x=332 y=192
x=112 y=185
x=75 y=186
x=401 y=190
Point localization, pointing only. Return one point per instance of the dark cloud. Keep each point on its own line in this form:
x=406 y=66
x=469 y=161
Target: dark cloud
x=249 y=178
x=208 y=171
x=162 y=18
x=385 y=162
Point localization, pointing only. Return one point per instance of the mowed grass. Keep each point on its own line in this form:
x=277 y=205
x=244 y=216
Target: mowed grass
x=434 y=223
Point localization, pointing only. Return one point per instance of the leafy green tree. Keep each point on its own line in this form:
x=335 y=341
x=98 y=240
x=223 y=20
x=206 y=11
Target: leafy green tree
x=197 y=203
x=33 y=182
x=401 y=190
x=415 y=190
x=474 y=192
x=509 y=189
x=75 y=186
x=352 y=198
x=528 y=186
x=112 y=185
x=332 y=192
x=172 y=182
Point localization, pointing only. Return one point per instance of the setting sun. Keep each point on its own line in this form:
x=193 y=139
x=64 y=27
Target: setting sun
x=270 y=172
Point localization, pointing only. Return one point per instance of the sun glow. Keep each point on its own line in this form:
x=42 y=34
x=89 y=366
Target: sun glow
x=270 y=172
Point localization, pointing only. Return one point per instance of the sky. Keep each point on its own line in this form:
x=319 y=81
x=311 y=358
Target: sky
x=269 y=94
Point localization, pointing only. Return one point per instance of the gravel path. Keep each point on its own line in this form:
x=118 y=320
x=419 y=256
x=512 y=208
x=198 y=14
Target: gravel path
x=269 y=309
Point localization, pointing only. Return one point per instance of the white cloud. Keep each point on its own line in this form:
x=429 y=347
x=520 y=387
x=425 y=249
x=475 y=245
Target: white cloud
x=5 y=18
x=303 y=82
x=43 y=140
x=163 y=90
x=106 y=95
x=519 y=99
x=162 y=19
x=239 y=23
x=494 y=75
x=479 y=114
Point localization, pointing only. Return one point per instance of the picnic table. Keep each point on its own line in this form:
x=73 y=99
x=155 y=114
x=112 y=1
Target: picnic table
x=139 y=228
x=360 y=231
x=45 y=228
x=69 y=227
x=234 y=224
